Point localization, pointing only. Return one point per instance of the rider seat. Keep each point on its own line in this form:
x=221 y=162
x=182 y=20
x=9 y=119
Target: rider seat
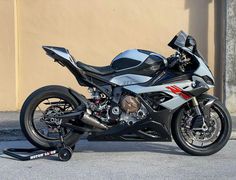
x=103 y=70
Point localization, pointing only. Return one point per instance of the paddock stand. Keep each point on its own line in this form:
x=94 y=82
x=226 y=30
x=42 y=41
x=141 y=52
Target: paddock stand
x=64 y=152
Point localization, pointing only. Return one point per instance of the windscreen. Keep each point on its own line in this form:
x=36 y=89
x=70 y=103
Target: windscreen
x=179 y=40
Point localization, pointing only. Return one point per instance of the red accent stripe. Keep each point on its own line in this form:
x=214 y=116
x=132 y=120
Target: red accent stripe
x=176 y=90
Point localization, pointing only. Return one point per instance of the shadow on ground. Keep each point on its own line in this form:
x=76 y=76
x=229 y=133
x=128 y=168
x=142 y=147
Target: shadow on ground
x=129 y=147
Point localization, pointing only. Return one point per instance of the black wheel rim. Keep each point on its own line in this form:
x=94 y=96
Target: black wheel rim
x=204 y=139
x=42 y=108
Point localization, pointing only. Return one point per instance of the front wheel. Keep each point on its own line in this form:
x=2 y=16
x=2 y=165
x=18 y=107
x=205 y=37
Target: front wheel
x=199 y=142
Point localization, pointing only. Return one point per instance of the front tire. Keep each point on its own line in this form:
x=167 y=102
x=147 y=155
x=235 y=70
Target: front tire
x=30 y=128
x=220 y=138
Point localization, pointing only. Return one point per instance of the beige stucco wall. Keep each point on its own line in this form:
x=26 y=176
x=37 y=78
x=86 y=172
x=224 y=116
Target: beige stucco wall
x=7 y=56
x=94 y=31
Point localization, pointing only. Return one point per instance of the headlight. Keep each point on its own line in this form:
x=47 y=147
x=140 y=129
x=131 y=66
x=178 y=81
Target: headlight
x=208 y=80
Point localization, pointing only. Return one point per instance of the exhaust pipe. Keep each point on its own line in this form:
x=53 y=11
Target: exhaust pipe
x=87 y=119
x=90 y=120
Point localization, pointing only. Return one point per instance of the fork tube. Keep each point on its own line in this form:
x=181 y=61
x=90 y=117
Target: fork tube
x=196 y=106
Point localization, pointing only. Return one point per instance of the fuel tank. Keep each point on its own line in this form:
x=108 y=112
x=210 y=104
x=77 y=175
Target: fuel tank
x=138 y=58
x=136 y=66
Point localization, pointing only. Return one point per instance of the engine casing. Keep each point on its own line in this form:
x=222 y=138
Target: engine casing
x=130 y=104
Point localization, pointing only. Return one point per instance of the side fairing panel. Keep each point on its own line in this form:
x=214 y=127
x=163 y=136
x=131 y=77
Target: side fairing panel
x=173 y=89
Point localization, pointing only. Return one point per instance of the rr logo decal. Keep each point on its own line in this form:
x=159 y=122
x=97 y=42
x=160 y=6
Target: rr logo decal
x=176 y=90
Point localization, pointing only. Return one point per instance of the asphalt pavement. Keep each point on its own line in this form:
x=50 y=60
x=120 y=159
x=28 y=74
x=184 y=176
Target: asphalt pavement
x=122 y=160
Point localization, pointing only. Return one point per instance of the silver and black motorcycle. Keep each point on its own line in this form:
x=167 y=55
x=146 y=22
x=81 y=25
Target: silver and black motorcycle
x=141 y=96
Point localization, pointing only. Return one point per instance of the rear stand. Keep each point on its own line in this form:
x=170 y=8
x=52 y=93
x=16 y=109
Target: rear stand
x=64 y=152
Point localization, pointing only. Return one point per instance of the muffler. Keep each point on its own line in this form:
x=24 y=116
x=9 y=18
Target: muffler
x=90 y=120
x=87 y=119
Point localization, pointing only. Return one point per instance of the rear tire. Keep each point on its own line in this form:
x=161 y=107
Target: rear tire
x=218 y=144
x=26 y=117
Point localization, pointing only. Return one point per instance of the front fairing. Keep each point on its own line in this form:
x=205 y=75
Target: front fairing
x=204 y=71
x=179 y=43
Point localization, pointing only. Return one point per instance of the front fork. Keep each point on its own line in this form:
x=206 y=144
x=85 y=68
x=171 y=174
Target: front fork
x=199 y=121
x=196 y=106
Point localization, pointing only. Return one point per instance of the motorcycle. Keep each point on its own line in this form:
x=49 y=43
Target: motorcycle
x=141 y=96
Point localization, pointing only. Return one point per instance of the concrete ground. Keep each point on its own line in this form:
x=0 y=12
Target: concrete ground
x=10 y=126
x=114 y=160
x=122 y=160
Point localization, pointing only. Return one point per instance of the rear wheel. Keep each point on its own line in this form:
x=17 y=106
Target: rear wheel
x=36 y=117
x=202 y=142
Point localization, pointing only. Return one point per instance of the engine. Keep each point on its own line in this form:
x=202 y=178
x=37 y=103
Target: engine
x=133 y=110
x=130 y=104
x=130 y=109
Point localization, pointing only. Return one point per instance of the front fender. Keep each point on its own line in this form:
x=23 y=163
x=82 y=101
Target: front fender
x=206 y=101
x=207 y=96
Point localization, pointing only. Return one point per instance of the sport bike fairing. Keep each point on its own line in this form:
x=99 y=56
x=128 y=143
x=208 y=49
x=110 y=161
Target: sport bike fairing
x=132 y=69
x=141 y=73
x=173 y=89
x=179 y=42
x=140 y=96
x=133 y=66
